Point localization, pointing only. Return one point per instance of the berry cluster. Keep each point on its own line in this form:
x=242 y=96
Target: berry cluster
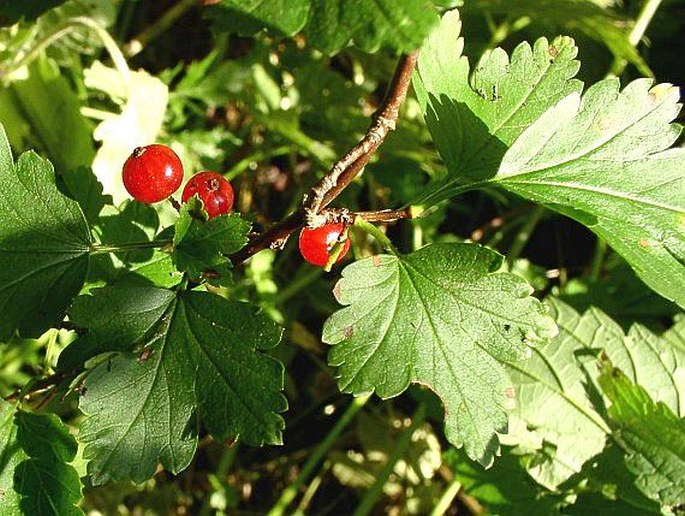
x=153 y=173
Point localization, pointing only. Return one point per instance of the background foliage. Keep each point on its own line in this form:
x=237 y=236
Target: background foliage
x=524 y=336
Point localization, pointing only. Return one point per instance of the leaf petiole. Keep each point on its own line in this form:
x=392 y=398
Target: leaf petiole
x=375 y=232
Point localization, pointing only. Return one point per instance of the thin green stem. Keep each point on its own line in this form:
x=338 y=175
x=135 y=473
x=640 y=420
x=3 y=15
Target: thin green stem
x=289 y=493
x=114 y=248
x=41 y=44
x=649 y=9
x=373 y=494
x=112 y=48
x=162 y=24
x=524 y=234
x=245 y=163
x=375 y=232
x=598 y=259
x=298 y=283
x=447 y=498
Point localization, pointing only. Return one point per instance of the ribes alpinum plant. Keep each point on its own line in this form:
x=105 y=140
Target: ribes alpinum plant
x=307 y=257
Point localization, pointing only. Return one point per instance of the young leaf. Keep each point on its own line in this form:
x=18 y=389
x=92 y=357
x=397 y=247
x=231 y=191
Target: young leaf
x=559 y=380
x=44 y=244
x=194 y=353
x=201 y=246
x=331 y=24
x=441 y=317
x=601 y=161
x=650 y=433
x=35 y=477
x=474 y=122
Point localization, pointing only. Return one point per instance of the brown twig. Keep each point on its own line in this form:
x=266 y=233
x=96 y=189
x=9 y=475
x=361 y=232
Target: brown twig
x=44 y=384
x=344 y=170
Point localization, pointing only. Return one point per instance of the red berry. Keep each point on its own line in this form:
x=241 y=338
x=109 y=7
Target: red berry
x=316 y=244
x=215 y=192
x=152 y=173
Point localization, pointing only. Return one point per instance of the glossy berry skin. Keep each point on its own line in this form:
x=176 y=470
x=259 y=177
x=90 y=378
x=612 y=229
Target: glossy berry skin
x=152 y=173
x=215 y=192
x=316 y=244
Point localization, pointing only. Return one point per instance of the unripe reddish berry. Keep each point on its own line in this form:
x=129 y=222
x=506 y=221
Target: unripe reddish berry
x=316 y=244
x=152 y=173
x=215 y=192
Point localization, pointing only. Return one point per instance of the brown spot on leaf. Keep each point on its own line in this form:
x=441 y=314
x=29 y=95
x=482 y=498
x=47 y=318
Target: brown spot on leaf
x=644 y=243
x=144 y=355
x=348 y=332
x=336 y=292
x=510 y=393
x=376 y=261
x=554 y=52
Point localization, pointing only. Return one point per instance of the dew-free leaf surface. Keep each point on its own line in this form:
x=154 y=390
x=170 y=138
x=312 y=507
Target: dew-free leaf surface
x=474 y=119
x=35 y=474
x=330 y=25
x=202 y=246
x=44 y=245
x=651 y=435
x=186 y=355
x=561 y=378
x=441 y=317
x=602 y=158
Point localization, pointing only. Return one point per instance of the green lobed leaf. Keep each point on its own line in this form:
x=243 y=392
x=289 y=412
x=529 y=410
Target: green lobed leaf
x=441 y=317
x=190 y=353
x=370 y=24
x=36 y=477
x=202 y=246
x=601 y=161
x=246 y=17
x=561 y=378
x=44 y=245
x=474 y=120
x=330 y=25
x=82 y=186
x=650 y=433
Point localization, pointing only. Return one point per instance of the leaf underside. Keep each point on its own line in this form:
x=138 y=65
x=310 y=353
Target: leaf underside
x=563 y=377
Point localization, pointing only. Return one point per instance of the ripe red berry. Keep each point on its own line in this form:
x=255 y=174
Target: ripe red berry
x=152 y=173
x=316 y=244
x=215 y=192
